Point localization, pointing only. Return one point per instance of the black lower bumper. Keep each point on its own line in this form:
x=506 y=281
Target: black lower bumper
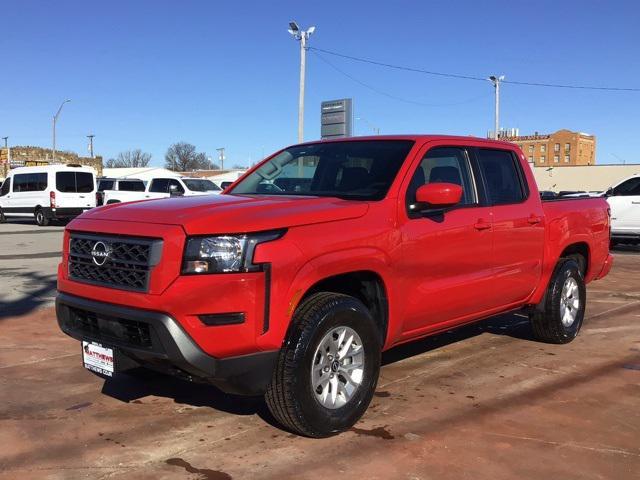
x=60 y=213
x=157 y=341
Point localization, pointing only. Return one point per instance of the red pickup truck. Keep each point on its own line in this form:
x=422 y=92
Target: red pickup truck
x=292 y=282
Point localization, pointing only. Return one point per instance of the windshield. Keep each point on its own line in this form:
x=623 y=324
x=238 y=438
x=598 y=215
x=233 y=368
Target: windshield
x=201 y=185
x=358 y=170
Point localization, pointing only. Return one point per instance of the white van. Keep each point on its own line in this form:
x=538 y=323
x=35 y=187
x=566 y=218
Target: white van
x=51 y=192
x=624 y=201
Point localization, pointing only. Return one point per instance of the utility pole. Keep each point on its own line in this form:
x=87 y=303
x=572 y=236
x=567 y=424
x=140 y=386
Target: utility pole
x=6 y=145
x=302 y=36
x=221 y=157
x=55 y=119
x=90 y=137
x=376 y=130
x=496 y=84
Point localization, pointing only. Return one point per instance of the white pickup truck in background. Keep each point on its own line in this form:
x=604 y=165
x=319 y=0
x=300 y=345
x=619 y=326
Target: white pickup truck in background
x=624 y=201
x=161 y=188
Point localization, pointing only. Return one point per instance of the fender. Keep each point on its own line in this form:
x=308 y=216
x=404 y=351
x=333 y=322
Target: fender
x=557 y=242
x=322 y=267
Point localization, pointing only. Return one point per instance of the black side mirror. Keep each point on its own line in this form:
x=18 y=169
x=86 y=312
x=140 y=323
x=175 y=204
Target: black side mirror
x=609 y=192
x=174 y=191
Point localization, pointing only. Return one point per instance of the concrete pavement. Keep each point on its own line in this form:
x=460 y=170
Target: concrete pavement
x=483 y=401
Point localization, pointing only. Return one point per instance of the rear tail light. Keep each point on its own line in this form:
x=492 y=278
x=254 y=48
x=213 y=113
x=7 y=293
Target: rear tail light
x=52 y=199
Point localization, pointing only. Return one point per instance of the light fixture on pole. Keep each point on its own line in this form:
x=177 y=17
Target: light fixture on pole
x=496 y=83
x=302 y=36
x=55 y=119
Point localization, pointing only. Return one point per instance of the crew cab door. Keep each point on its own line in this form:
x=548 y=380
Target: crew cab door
x=445 y=266
x=625 y=207
x=518 y=226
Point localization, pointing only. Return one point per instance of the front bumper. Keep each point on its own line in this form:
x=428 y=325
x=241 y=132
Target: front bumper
x=156 y=340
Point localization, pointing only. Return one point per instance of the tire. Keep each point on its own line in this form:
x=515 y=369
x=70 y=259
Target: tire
x=291 y=396
x=559 y=318
x=41 y=218
x=3 y=219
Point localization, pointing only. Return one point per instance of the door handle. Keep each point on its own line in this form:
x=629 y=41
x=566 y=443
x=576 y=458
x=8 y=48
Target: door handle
x=533 y=219
x=481 y=224
x=635 y=203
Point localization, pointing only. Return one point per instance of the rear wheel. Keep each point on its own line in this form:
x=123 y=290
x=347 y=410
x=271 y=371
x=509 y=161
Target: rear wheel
x=328 y=368
x=41 y=218
x=559 y=318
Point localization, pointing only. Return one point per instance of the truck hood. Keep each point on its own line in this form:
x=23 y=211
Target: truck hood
x=231 y=213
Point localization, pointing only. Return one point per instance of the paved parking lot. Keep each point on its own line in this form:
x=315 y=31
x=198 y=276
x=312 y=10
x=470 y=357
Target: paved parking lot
x=480 y=402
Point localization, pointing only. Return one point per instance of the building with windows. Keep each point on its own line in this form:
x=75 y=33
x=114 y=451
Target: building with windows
x=26 y=156
x=560 y=149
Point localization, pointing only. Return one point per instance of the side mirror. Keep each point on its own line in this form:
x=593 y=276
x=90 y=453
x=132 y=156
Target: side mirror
x=609 y=192
x=439 y=195
x=174 y=192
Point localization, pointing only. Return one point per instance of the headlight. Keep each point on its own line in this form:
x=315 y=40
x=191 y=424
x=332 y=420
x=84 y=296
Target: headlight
x=224 y=253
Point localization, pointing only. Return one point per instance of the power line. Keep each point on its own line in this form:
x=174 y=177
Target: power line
x=470 y=77
x=389 y=95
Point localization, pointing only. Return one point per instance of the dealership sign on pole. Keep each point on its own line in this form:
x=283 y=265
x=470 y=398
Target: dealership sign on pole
x=336 y=118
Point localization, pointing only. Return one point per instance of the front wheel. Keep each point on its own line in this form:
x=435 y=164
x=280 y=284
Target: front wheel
x=328 y=367
x=41 y=218
x=559 y=318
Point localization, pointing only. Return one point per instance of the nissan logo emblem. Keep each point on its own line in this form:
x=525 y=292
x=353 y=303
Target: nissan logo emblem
x=100 y=252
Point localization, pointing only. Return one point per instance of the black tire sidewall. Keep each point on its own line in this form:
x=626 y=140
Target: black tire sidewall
x=569 y=268
x=347 y=312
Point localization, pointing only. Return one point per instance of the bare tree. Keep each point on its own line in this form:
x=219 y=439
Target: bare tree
x=130 y=158
x=182 y=157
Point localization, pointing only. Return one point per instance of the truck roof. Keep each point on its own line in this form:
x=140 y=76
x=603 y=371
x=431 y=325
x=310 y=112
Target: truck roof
x=414 y=137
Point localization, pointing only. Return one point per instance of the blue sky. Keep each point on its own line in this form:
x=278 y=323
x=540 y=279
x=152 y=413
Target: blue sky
x=145 y=74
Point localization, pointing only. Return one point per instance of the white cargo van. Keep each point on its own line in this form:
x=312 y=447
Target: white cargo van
x=51 y=192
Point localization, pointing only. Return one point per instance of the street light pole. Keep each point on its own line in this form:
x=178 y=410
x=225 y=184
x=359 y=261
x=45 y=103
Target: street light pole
x=55 y=119
x=6 y=145
x=221 y=157
x=302 y=36
x=90 y=137
x=496 y=83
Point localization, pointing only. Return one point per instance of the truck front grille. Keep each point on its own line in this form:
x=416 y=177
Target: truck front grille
x=113 y=261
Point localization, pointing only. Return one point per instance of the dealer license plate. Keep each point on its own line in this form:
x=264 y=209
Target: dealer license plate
x=98 y=358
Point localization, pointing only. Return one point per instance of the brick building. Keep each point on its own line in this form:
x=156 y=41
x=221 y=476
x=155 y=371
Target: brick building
x=25 y=156
x=559 y=149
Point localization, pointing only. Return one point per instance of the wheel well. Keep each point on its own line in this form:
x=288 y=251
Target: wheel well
x=579 y=251
x=367 y=287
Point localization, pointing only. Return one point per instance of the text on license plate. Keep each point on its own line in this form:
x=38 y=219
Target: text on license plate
x=97 y=358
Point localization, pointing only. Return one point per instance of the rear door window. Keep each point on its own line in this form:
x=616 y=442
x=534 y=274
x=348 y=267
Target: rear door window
x=502 y=175
x=74 y=182
x=105 y=185
x=131 y=186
